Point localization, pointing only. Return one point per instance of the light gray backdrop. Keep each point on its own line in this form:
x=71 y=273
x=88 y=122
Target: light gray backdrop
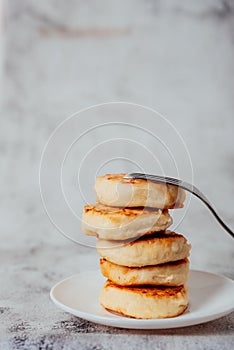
x=61 y=56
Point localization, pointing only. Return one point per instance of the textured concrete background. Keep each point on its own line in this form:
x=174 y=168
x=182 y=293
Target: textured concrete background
x=61 y=56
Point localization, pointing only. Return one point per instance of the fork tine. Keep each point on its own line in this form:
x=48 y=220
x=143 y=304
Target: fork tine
x=156 y=178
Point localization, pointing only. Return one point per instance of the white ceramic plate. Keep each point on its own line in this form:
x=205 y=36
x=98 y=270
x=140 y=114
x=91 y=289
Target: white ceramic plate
x=211 y=297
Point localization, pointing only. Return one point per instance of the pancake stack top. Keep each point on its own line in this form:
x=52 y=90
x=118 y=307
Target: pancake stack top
x=146 y=266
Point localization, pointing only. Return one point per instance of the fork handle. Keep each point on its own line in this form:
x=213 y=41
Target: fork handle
x=186 y=186
x=203 y=198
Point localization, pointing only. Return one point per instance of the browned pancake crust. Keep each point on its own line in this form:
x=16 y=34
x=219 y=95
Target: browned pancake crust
x=166 y=236
x=171 y=263
x=104 y=210
x=152 y=291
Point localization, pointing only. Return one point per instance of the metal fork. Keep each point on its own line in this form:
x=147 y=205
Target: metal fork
x=186 y=186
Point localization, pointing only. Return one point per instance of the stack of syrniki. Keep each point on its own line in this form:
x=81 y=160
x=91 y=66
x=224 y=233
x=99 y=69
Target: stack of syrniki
x=146 y=266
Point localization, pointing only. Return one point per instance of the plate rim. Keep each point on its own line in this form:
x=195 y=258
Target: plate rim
x=131 y=323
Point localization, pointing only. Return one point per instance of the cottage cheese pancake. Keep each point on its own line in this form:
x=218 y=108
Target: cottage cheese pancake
x=159 y=248
x=145 y=302
x=168 y=274
x=115 y=190
x=116 y=223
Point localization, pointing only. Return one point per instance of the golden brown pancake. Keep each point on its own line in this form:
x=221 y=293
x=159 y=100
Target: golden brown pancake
x=144 y=302
x=168 y=274
x=123 y=223
x=115 y=190
x=159 y=248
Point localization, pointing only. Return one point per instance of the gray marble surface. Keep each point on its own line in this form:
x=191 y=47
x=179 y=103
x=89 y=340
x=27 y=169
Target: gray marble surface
x=60 y=56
